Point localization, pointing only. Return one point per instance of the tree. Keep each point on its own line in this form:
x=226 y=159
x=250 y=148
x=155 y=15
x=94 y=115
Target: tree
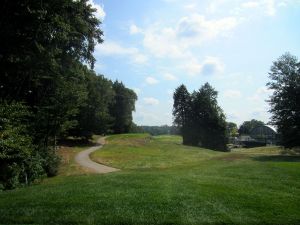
x=247 y=126
x=20 y=162
x=285 y=100
x=201 y=120
x=43 y=46
x=122 y=108
x=181 y=110
x=208 y=119
x=232 y=129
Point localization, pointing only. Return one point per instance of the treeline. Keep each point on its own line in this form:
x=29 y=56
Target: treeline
x=200 y=120
x=47 y=89
x=159 y=130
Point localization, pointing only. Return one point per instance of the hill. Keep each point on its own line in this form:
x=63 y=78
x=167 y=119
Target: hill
x=164 y=182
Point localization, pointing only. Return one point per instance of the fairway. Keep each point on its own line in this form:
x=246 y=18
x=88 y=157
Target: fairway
x=164 y=182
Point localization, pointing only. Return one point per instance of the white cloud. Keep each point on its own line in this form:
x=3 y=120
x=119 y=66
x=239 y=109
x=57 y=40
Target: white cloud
x=261 y=95
x=139 y=58
x=100 y=13
x=210 y=66
x=169 y=77
x=133 y=29
x=151 y=101
x=247 y=9
x=253 y=4
x=111 y=48
x=232 y=94
x=191 y=7
x=151 y=80
x=178 y=40
x=196 y=27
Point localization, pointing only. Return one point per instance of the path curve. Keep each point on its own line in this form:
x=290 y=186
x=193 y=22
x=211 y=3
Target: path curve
x=83 y=158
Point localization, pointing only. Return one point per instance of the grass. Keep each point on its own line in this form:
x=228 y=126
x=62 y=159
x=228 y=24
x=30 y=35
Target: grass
x=163 y=182
x=67 y=153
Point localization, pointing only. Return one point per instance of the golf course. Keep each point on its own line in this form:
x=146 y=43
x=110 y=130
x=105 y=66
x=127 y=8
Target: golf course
x=161 y=181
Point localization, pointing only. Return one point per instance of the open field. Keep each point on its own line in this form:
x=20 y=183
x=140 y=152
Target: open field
x=163 y=182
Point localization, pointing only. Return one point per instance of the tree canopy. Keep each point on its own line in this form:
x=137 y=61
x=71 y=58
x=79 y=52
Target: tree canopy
x=285 y=100
x=247 y=126
x=48 y=86
x=200 y=119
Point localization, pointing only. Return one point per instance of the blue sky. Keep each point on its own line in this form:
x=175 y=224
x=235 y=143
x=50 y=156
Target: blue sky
x=154 y=46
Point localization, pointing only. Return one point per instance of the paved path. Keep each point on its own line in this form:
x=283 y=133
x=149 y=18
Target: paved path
x=83 y=158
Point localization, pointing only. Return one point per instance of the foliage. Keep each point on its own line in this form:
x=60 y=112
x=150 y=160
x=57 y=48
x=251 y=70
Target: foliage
x=200 y=119
x=159 y=130
x=122 y=108
x=247 y=126
x=181 y=110
x=285 y=100
x=232 y=129
x=20 y=161
x=46 y=62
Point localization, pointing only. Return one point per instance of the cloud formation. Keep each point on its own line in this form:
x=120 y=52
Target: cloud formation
x=151 y=101
x=111 y=48
x=151 y=80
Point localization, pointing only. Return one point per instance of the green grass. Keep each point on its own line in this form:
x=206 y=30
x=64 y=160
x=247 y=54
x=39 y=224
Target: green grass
x=67 y=153
x=163 y=182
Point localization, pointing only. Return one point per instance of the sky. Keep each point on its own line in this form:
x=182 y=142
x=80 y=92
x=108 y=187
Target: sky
x=155 y=46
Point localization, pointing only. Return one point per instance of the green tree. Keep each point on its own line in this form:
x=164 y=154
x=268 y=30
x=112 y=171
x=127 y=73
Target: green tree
x=181 y=111
x=20 y=162
x=43 y=45
x=285 y=100
x=208 y=119
x=200 y=119
x=122 y=108
x=232 y=129
x=93 y=116
x=247 y=126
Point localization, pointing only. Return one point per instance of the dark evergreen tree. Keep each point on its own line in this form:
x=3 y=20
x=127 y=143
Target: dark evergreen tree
x=208 y=119
x=181 y=111
x=201 y=120
x=285 y=100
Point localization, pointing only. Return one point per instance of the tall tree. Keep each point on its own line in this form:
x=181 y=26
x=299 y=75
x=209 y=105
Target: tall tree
x=122 y=108
x=285 y=100
x=209 y=119
x=43 y=46
x=181 y=110
x=201 y=120
x=247 y=126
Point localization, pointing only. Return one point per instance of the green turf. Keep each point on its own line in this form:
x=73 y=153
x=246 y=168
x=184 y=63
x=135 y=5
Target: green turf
x=163 y=182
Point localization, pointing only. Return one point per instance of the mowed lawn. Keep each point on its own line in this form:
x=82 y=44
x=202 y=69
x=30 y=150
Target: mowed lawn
x=163 y=182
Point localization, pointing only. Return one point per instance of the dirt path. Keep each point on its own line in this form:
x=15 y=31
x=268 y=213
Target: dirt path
x=83 y=158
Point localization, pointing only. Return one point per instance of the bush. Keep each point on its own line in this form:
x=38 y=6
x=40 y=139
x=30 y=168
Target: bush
x=20 y=163
x=51 y=163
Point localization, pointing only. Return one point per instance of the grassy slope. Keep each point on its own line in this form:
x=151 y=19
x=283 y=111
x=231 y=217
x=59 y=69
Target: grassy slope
x=163 y=182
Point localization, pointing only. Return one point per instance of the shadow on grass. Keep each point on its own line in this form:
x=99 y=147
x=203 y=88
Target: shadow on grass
x=277 y=158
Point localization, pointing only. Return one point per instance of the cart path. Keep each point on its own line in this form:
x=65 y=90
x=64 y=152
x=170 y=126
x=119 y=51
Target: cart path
x=83 y=159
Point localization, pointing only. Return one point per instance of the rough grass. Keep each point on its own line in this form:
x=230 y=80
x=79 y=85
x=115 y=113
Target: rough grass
x=67 y=152
x=170 y=184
